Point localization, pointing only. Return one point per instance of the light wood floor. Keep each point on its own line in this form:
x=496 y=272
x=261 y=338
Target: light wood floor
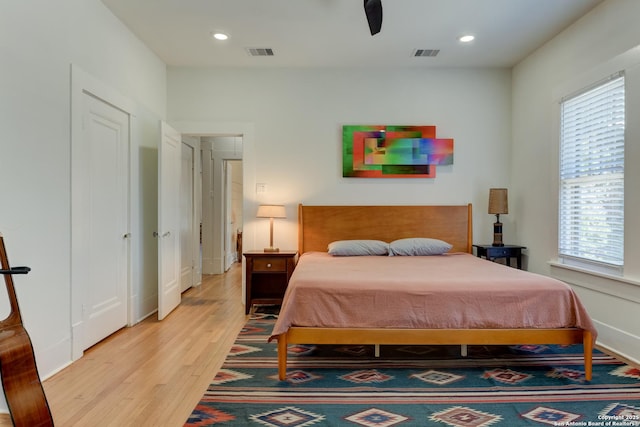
x=154 y=373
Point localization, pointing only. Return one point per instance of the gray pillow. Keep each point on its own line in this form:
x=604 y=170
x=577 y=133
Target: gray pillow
x=419 y=246
x=358 y=247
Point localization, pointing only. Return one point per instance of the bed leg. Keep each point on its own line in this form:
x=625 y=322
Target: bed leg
x=376 y=350
x=587 y=344
x=464 y=351
x=282 y=357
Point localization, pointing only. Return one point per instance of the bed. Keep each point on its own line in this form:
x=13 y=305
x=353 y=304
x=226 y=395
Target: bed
x=448 y=299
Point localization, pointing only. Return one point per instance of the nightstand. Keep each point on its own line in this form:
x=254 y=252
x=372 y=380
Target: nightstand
x=491 y=253
x=267 y=276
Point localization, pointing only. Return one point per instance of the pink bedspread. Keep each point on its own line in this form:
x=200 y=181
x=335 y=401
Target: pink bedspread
x=430 y=292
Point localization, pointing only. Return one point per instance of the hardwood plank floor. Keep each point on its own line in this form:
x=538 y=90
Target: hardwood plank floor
x=154 y=373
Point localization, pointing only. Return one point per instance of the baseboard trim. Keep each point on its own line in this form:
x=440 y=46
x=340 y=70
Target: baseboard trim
x=619 y=342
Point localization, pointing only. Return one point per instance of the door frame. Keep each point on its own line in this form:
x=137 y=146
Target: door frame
x=227 y=211
x=229 y=251
x=83 y=83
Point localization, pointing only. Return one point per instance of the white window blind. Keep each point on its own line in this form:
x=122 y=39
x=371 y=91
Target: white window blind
x=592 y=175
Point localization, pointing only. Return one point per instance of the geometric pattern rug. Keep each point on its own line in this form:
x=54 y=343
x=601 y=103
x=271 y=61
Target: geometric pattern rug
x=509 y=386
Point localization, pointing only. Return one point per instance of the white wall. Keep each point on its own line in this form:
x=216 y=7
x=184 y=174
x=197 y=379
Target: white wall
x=297 y=117
x=584 y=53
x=39 y=40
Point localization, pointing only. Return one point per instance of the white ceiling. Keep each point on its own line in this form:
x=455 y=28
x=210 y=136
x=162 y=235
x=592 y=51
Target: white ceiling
x=334 y=33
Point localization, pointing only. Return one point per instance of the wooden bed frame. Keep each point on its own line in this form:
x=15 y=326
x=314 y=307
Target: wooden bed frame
x=320 y=225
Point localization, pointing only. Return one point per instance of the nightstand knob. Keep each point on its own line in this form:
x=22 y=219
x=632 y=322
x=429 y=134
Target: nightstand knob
x=269 y=265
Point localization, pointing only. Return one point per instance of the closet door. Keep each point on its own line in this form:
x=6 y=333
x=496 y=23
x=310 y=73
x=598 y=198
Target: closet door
x=102 y=223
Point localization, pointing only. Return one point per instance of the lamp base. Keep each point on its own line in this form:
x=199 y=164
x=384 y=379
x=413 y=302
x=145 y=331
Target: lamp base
x=272 y=249
x=497 y=234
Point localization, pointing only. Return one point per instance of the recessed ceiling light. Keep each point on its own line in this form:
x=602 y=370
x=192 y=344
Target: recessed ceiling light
x=466 y=38
x=220 y=36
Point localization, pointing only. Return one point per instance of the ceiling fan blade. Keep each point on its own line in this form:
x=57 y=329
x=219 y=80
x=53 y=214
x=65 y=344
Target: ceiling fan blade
x=373 y=10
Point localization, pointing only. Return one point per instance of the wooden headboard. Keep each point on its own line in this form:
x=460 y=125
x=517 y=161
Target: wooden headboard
x=320 y=225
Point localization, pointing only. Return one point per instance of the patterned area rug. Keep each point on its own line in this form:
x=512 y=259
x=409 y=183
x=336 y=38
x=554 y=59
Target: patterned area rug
x=415 y=386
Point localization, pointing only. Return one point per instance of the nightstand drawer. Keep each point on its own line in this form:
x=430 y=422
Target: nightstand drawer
x=507 y=252
x=499 y=252
x=263 y=264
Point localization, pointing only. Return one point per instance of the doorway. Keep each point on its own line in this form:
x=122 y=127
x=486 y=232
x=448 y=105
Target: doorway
x=246 y=132
x=222 y=201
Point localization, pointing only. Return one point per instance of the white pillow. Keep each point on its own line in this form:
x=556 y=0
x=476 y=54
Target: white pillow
x=358 y=247
x=419 y=246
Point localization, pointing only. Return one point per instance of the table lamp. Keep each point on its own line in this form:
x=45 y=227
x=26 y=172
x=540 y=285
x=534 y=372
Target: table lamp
x=271 y=212
x=498 y=204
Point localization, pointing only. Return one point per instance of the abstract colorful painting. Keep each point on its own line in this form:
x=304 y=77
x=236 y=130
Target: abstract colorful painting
x=382 y=151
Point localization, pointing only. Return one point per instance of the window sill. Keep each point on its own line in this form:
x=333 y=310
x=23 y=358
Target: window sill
x=618 y=286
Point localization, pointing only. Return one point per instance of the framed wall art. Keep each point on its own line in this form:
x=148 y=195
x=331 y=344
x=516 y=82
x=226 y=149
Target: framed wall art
x=397 y=151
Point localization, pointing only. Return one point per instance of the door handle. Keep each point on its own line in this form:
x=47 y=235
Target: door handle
x=126 y=235
x=167 y=234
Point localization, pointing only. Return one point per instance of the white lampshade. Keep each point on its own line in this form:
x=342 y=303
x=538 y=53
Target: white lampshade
x=271 y=211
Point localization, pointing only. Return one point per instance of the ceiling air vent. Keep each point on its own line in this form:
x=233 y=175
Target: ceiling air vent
x=426 y=52
x=260 y=51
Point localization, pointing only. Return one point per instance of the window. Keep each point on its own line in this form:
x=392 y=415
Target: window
x=591 y=218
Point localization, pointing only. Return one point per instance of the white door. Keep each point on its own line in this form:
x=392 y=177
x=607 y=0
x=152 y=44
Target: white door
x=103 y=219
x=169 y=158
x=187 y=206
